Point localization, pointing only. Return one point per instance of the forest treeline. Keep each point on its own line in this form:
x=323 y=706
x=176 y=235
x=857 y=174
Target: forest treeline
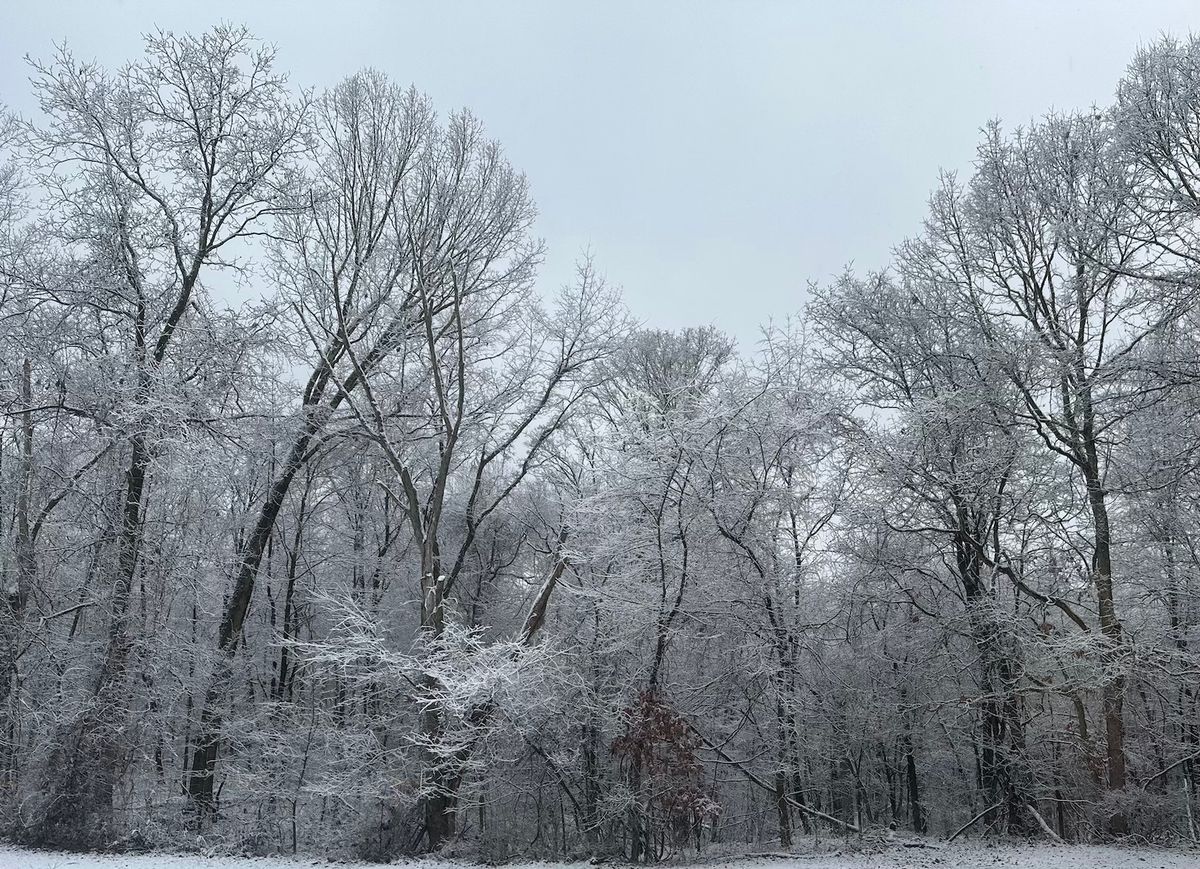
x=328 y=528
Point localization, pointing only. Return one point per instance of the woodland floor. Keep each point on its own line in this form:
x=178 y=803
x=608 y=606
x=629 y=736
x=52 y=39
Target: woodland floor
x=965 y=856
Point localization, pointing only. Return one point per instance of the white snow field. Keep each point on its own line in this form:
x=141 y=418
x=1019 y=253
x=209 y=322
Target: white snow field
x=965 y=856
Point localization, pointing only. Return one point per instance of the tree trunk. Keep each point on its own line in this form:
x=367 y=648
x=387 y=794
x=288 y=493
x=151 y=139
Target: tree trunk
x=16 y=595
x=87 y=756
x=782 y=809
x=200 y=787
x=1002 y=761
x=1186 y=698
x=916 y=811
x=1113 y=692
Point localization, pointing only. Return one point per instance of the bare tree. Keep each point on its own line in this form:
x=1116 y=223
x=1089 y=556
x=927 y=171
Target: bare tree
x=161 y=168
x=953 y=455
x=485 y=426
x=343 y=261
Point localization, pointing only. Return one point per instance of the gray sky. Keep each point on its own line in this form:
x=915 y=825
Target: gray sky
x=715 y=156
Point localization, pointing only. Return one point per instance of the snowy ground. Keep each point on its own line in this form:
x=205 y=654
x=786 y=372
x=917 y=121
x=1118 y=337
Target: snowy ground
x=967 y=856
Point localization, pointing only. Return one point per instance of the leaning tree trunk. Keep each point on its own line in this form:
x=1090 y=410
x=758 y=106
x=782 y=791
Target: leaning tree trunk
x=200 y=786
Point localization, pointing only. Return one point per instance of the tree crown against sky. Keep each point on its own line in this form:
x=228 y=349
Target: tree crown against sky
x=627 y=118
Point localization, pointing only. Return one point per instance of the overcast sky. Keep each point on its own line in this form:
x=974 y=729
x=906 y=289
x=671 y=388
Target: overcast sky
x=714 y=156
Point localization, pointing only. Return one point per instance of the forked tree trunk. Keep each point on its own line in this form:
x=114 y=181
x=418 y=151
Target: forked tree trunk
x=1002 y=726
